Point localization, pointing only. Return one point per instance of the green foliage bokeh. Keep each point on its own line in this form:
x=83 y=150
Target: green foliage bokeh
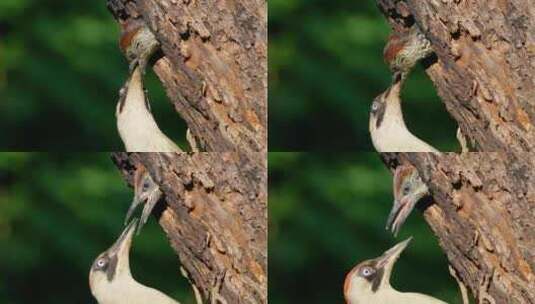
x=327 y=213
x=57 y=213
x=60 y=74
x=325 y=69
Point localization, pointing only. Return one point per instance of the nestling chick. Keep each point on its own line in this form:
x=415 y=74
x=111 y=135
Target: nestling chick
x=404 y=49
x=408 y=190
x=147 y=192
x=138 y=43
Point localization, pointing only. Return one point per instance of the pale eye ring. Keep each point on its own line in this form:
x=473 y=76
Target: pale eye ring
x=101 y=263
x=375 y=106
x=367 y=271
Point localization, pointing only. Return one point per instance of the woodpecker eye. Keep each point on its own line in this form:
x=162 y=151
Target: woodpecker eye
x=406 y=189
x=101 y=263
x=367 y=271
x=146 y=185
x=375 y=106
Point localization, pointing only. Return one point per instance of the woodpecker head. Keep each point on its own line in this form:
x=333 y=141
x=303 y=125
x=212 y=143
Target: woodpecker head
x=138 y=43
x=147 y=192
x=365 y=282
x=112 y=264
x=379 y=106
x=408 y=190
x=404 y=49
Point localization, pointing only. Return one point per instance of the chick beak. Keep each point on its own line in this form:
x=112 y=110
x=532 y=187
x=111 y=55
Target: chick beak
x=399 y=213
x=394 y=213
x=138 y=193
x=389 y=258
x=402 y=208
x=152 y=198
x=135 y=202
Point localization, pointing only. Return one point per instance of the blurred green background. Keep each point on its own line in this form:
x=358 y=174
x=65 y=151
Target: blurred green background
x=326 y=67
x=327 y=213
x=60 y=74
x=57 y=213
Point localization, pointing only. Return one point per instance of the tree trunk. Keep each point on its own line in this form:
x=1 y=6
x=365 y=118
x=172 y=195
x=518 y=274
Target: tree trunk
x=486 y=65
x=484 y=216
x=214 y=66
x=215 y=216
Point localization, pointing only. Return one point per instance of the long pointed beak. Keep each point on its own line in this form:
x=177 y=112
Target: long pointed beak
x=399 y=213
x=387 y=260
x=133 y=65
x=125 y=239
x=402 y=208
x=397 y=77
x=152 y=199
x=135 y=202
x=396 y=206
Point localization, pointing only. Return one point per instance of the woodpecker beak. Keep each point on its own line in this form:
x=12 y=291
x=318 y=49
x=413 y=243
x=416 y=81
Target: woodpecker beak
x=397 y=81
x=133 y=206
x=133 y=65
x=123 y=243
x=389 y=258
x=403 y=207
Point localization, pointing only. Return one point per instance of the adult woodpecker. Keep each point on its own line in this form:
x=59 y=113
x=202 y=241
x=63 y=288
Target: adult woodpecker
x=369 y=282
x=110 y=279
x=408 y=190
x=147 y=192
x=135 y=123
x=404 y=49
x=387 y=127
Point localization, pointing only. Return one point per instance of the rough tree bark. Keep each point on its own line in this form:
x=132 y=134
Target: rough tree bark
x=215 y=216
x=485 y=72
x=483 y=213
x=214 y=66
